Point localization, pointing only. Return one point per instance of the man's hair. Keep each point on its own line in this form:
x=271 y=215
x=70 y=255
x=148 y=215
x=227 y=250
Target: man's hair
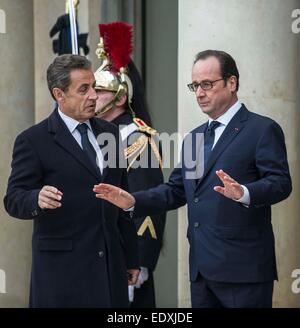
x=59 y=72
x=227 y=63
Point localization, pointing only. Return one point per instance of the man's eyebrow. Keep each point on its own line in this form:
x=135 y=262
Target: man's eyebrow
x=205 y=80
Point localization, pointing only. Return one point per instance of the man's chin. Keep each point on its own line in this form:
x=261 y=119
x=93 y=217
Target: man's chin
x=205 y=109
x=87 y=114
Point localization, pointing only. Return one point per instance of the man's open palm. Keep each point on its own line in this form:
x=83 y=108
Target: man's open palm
x=114 y=195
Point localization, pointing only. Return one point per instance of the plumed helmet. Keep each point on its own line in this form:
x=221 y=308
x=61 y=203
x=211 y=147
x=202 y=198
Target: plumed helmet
x=114 y=50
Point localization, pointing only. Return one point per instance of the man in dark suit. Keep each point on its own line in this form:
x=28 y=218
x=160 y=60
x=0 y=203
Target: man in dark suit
x=232 y=253
x=82 y=249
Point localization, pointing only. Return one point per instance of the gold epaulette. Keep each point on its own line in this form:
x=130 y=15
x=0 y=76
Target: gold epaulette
x=136 y=149
x=143 y=127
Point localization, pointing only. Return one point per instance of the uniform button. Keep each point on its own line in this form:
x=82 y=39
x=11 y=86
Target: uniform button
x=196 y=200
x=101 y=254
x=196 y=224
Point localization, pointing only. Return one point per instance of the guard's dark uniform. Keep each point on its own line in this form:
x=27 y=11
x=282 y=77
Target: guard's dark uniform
x=138 y=147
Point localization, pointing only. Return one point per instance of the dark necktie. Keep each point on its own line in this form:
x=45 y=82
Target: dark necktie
x=86 y=144
x=209 y=138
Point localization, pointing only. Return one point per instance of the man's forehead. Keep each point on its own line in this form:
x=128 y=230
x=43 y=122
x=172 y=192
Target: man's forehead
x=80 y=76
x=208 y=66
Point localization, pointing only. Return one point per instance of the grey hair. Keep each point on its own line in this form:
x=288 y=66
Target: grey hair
x=59 y=72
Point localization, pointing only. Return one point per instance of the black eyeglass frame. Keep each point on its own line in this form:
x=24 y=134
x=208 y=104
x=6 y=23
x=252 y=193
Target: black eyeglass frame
x=193 y=87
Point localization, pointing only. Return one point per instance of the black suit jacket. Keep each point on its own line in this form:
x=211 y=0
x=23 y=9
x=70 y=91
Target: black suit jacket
x=80 y=252
x=228 y=241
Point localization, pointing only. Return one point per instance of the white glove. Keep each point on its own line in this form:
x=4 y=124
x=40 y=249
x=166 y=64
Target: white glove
x=143 y=276
x=131 y=293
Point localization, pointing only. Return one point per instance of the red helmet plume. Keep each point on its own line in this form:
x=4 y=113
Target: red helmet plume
x=117 y=38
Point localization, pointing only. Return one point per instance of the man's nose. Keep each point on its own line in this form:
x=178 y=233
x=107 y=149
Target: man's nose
x=93 y=94
x=200 y=92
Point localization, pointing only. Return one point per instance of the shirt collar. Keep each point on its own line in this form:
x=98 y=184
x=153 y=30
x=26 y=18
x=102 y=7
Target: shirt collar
x=71 y=123
x=228 y=115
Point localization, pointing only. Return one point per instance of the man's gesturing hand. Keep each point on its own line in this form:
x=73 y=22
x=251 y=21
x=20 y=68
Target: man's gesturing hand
x=49 y=198
x=231 y=189
x=114 y=195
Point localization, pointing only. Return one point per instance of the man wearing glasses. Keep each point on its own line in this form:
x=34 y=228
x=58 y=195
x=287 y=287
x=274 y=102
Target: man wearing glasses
x=232 y=256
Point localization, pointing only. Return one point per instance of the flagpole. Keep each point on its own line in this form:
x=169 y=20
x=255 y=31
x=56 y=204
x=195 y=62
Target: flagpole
x=74 y=39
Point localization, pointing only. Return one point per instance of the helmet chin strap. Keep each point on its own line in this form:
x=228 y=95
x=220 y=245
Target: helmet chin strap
x=122 y=90
x=106 y=108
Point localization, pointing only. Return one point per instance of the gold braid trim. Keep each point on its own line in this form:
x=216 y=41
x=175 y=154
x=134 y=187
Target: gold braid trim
x=139 y=153
x=147 y=224
x=135 y=149
x=129 y=151
x=156 y=152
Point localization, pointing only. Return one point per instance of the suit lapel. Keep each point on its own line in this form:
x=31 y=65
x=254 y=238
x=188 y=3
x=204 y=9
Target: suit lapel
x=195 y=149
x=64 y=138
x=234 y=127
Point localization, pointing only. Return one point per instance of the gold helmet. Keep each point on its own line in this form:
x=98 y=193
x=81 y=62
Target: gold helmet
x=114 y=50
x=75 y=2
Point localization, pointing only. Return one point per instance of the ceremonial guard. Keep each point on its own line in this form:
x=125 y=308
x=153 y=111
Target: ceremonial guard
x=121 y=100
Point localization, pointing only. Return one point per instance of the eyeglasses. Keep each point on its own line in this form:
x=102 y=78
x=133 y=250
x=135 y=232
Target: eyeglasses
x=205 y=85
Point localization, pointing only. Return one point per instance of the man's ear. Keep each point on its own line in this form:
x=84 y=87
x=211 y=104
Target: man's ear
x=59 y=95
x=232 y=83
x=121 y=101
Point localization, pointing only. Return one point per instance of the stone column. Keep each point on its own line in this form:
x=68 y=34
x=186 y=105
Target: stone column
x=45 y=15
x=94 y=20
x=258 y=35
x=17 y=114
x=161 y=92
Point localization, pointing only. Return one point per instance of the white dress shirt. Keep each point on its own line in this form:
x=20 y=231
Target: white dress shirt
x=224 y=120
x=72 y=125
